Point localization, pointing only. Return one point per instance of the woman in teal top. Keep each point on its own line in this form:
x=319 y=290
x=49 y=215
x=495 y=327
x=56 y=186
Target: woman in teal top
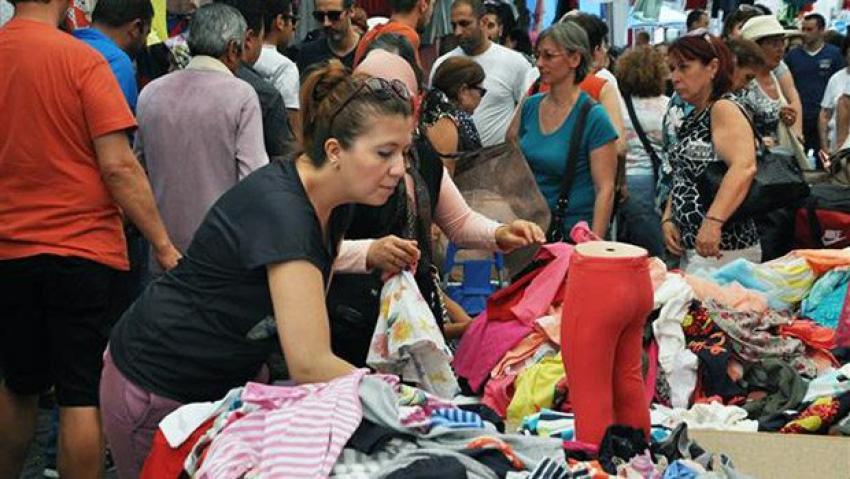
x=546 y=122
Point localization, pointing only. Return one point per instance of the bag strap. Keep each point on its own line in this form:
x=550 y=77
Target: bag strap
x=815 y=229
x=653 y=155
x=572 y=156
x=759 y=140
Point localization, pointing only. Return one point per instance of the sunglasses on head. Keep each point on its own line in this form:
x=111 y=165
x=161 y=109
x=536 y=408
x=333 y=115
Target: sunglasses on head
x=332 y=15
x=383 y=89
x=705 y=35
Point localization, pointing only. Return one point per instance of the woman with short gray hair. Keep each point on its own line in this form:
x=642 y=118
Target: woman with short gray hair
x=546 y=122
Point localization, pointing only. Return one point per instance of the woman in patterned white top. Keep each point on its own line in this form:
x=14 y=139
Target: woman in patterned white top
x=716 y=130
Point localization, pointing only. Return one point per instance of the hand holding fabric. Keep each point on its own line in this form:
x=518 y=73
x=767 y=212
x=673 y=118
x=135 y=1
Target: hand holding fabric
x=518 y=234
x=392 y=254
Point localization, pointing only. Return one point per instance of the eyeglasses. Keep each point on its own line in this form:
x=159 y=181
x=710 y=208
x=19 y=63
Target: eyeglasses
x=547 y=56
x=383 y=89
x=290 y=18
x=481 y=89
x=461 y=24
x=332 y=15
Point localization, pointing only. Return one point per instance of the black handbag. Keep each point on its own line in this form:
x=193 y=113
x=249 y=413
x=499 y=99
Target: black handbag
x=555 y=233
x=778 y=183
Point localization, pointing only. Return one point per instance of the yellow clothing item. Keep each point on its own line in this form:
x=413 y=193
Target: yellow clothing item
x=535 y=388
x=159 y=27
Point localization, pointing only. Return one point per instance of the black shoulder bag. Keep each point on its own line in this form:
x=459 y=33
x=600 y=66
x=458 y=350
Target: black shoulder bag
x=778 y=183
x=556 y=226
x=653 y=155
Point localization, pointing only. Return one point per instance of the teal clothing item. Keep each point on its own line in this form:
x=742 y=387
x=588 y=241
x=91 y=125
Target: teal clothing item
x=547 y=154
x=826 y=299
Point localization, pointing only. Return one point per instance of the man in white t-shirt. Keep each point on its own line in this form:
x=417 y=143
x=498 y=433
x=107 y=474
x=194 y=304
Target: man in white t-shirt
x=505 y=71
x=837 y=85
x=276 y=68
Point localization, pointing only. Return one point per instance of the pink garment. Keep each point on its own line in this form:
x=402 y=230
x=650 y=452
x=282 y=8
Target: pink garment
x=652 y=371
x=542 y=291
x=298 y=431
x=550 y=325
x=733 y=295
x=581 y=233
x=486 y=341
x=453 y=215
x=389 y=66
x=498 y=394
x=519 y=353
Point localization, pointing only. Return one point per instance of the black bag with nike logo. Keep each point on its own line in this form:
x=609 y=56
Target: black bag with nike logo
x=824 y=220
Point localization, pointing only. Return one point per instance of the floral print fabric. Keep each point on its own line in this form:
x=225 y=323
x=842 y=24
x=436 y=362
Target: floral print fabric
x=407 y=340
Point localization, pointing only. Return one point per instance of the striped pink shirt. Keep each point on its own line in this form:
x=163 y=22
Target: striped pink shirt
x=298 y=432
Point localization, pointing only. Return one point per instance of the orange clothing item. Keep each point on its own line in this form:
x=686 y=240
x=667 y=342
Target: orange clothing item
x=390 y=27
x=823 y=260
x=58 y=95
x=592 y=85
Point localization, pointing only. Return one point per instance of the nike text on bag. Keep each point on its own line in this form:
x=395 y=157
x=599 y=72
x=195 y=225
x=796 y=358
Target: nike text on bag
x=824 y=221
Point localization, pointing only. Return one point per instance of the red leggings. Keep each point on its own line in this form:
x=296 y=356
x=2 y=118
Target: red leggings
x=606 y=304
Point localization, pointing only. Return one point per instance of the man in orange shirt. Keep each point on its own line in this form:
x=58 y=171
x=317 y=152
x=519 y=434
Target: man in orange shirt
x=66 y=173
x=409 y=17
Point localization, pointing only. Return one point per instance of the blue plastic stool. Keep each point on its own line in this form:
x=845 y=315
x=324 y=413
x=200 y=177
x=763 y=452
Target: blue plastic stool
x=476 y=286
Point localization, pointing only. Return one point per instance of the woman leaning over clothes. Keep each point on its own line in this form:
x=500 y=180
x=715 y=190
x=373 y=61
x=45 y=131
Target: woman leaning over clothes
x=641 y=73
x=545 y=123
x=253 y=280
x=446 y=118
x=717 y=129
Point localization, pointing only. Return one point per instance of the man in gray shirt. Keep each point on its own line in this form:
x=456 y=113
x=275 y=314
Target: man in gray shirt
x=200 y=129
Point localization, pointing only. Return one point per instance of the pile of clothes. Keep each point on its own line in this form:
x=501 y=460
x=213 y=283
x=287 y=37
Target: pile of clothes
x=372 y=426
x=755 y=347
x=355 y=427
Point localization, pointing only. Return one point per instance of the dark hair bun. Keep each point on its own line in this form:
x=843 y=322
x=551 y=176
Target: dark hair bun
x=328 y=78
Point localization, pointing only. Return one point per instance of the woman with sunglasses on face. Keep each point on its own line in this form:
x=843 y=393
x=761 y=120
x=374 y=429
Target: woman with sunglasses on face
x=545 y=123
x=253 y=280
x=695 y=228
x=446 y=118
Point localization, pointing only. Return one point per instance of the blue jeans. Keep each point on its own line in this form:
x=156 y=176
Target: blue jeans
x=640 y=223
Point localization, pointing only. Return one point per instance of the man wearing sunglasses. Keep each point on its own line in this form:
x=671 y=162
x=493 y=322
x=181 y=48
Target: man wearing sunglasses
x=275 y=67
x=504 y=68
x=409 y=17
x=340 y=39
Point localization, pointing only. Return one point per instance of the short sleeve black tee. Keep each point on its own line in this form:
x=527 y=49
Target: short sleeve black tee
x=316 y=52
x=207 y=325
x=277 y=132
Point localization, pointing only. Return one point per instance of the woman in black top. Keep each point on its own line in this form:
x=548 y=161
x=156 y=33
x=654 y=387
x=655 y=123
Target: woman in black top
x=446 y=118
x=253 y=280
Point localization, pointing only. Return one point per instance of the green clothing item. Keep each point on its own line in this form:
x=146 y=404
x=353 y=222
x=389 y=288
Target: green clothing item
x=784 y=386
